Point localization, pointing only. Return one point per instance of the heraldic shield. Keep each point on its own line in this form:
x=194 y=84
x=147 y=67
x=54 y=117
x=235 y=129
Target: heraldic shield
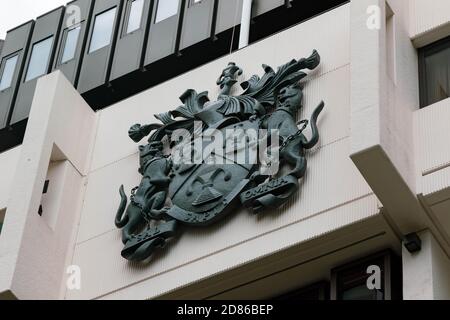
x=206 y=159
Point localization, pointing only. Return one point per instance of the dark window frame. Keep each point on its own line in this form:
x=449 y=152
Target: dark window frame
x=321 y=289
x=126 y=21
x=64 y=43
x=2 y=219
x=3 y=66
x=391 y=275
x=94 y=19
x=193 y=3
x=424 y=52
x=156 y=21
x=49 y=62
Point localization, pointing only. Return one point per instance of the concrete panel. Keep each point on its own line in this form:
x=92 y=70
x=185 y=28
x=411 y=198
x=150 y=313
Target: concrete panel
x=383 y=102
x=97 y=63
x=425 y=273
x=435 y=182
x=45 y=266
x=70 y=67
x=16 y=43
x=429 y=20
x=197 y=21
x=432 y=136
x=190 y=260
x=46 y=27
x=8 y=164
x=33 y=258
x=441 y=211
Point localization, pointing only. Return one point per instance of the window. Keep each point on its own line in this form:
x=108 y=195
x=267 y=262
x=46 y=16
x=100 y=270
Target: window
x=317 y=292
x=2 y=219
x=103 y=30
x=350 y=282
x=166 y=9
x=70 y=44
x=434 y=61
x=46 y=185
x=40 y=58
x=135 y=15
x=7 y=72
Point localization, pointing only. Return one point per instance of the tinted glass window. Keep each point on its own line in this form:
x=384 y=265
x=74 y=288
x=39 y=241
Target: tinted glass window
x=2 y=219
x=435 y=79
x=103 y=30
x=360 y=292
x=352 y=281
x=135 y=18
x=40 y=56
x=70 y=45
x=166 y=9
x=8 y=72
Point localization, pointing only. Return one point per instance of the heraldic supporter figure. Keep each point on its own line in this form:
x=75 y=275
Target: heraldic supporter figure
x=201 y=194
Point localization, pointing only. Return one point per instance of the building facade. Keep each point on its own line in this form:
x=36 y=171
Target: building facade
x=375 y=200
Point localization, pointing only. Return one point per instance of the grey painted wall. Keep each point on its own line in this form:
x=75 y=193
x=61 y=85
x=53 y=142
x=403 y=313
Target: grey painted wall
x=124 y=59
x=71 y=68
x=17 y=41
x=197 y=21
x=96 y=64
x=229 y=14
x=162 y=36
x=47 y=26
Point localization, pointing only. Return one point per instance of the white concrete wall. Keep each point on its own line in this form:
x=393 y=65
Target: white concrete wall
x=429 y=20
x=432 y=136
x=8 y=164
x=384 y=96
x=333 y=194
x=426 y=274
x=371 y=114
x=35 y=250
x=433 y=156
x=401 y=97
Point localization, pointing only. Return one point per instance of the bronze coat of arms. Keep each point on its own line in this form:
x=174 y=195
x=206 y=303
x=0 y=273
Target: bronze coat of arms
x=207 y=158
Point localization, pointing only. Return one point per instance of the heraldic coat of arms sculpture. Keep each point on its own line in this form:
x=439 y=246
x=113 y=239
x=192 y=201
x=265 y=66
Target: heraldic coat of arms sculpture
x=206 y=159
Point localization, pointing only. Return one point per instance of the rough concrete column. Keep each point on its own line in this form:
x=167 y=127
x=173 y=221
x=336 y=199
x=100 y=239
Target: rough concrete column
x=426 y=273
